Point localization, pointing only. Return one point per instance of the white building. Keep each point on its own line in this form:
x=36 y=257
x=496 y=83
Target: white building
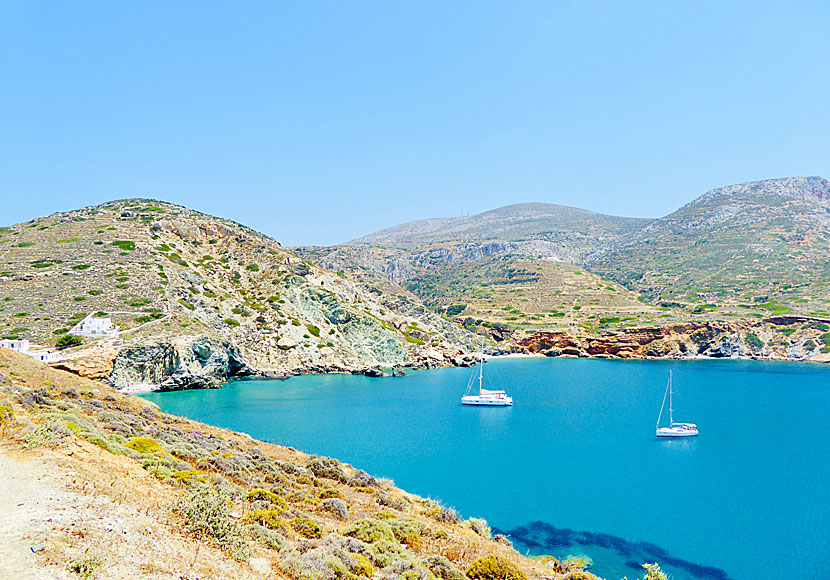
x=16 y=345
x=24 y=347
x=44 y=356
x=95 y=327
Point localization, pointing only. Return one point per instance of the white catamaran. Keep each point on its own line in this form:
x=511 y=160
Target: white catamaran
x=674 y=429
x=484 y=397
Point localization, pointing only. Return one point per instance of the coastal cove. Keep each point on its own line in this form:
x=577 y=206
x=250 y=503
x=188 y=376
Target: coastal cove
x=574 y=467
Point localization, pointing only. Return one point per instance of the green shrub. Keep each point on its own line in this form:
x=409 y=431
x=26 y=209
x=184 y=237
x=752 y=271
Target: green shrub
x=270 y=518
x=187 y=305
x=329 y=492
x=407 y=532
x=361 y=566
x=456 y=309
x=443 y=568
x=207 y=517
x=252 y=267
x=68 y=341
x=262 y=495
x=42 y=264
x=95 y=292
x=494 y=567
x=653 y=572
x=306 y=527
x=313 y=330
x=25 y=244
x=147 y=446
x=6 y=414
x=85 y=566
x=754 y=342
x=60 y=331
x=126 y=245
x=231 y=322
x=81 y=267
x=369 y=531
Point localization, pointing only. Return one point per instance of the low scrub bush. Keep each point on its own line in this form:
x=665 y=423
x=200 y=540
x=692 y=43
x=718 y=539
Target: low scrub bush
x=68 y=340
x=369 y=531
x=328 y=468
x=306 y=527
x=85 y=566
x=494 y=567
x=443 y=568
x=207 y=517
x=480 y=527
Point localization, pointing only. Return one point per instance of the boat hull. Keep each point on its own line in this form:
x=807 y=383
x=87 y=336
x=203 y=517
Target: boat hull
x=677 y=432
x=487 y=401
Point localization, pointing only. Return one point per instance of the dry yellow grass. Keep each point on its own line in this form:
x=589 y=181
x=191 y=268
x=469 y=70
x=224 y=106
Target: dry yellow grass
x=118 y=509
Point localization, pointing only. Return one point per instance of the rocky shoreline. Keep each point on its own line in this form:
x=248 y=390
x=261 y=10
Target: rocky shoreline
x=793 y=338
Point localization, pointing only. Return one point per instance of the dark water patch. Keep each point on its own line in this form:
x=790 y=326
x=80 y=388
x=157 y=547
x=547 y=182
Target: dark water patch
x=542 y=536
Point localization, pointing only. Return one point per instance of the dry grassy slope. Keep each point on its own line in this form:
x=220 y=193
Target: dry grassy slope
x=123 y=466
x=214 y=278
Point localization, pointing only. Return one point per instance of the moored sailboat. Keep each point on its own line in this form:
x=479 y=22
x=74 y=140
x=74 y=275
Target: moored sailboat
x=485 y=397
x=674 y=429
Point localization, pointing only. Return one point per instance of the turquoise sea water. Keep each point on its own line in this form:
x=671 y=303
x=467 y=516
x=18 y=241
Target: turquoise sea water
x=574 y=467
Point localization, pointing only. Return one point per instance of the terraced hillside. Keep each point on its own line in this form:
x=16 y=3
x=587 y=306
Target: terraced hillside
x=760 y=247
x=744 y=251
x=515 y=267
x=195 y=295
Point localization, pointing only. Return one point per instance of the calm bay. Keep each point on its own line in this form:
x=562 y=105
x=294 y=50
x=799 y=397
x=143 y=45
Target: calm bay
x=574 y=467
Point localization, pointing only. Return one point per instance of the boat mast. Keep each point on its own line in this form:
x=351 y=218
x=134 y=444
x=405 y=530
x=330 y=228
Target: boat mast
x=671 y=411
x=481 y=366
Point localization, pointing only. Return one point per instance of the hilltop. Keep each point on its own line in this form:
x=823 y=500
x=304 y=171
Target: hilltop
x=567 y=232
x=198 y=299
x=100 y=484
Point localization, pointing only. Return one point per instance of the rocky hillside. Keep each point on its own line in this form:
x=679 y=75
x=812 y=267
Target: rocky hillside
x=751 y=250
x=197 y=299
x=97 y=484
x=754 y=246
x=513 y=267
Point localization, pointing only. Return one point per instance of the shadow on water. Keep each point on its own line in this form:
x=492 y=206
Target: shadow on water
x=543 y=537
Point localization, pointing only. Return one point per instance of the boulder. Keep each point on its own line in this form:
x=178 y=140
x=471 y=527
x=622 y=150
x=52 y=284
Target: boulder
x=374 y=372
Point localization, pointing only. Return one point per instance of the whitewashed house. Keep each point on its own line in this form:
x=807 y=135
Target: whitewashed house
x=16 y=345
x=44 y=356
x=91 y=327
x=23 y=346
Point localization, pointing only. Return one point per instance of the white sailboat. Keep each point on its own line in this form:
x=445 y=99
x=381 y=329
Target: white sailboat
x=484 y=397
x=674 y=429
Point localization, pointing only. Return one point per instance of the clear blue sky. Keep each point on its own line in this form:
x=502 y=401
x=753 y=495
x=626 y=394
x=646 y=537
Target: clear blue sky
x=317 y=122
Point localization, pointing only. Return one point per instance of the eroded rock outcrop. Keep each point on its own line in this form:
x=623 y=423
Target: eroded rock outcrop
x=782 y=338
x=202 y=363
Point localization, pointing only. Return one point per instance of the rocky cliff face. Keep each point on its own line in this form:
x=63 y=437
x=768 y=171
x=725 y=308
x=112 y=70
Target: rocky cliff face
x=201 y=363
x=777 y=338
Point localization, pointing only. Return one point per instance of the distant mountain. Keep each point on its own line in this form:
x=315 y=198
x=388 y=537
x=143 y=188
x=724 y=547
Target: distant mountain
x=753 y=243
x=750 y=249
x=573 y=230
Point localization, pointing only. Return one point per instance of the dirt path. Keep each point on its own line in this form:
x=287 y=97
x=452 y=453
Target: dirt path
x=32 y=503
